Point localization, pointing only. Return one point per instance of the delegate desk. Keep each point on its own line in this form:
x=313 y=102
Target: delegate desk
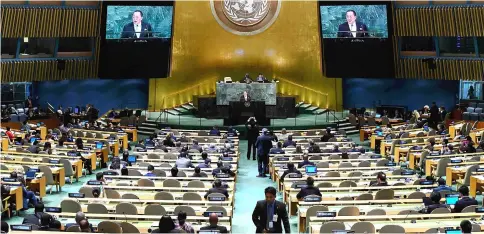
x=401 y=191
x=454 y=127
x=56 y=153
x=391 y=207
x=148 y=193
x=366 y=132
x=323 y=171
x=122 y=135
x=159 y=183
x=423 y=222
x=144 y=223
x=155 y=178
x=457 y=172
x=38 y=184
x=45 y=158
x=58 y=171
x=476 y=184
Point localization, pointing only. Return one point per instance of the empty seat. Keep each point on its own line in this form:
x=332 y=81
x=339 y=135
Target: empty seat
x=129 y=228
x=189 y=196
x=155 y=209
x=363 y=227
x=474 y=116
x=349 y=211
x=470 y=109
x=466 y=116
x=377 y=212
x=330 y=226
x=109 y=227
x=70 y=206
x=478 y=110
x=392 y=229
x=96 y=208
x=126 y=208
x=129 y=196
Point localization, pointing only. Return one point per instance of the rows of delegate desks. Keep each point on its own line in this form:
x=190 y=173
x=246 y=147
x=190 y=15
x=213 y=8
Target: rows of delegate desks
x=118 y=186
x=15 y=156
x=405 y=183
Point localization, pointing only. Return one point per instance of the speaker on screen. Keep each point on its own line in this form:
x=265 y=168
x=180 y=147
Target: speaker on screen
x=136 y=39
x=356 y=39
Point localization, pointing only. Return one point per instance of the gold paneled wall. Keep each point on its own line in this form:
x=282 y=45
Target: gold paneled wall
x=204 y=52
x=19 y=71
x=440 y=21
x=49 y=22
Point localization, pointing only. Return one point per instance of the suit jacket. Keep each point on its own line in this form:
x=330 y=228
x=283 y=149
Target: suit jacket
x=264 y=145
x=33 y=219
x=219 y=228
x=217 y=190
x=463 y=203
x=242 y=99
x=128 y=31
x=259 y=217
x=344 y=30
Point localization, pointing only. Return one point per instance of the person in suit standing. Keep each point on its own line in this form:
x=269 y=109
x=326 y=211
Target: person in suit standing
x=264 y=145
x=434 y=116
x=269 y=215
x=252 y=134
x=213 y=220
x=245 y=97
x=246 y=79
x=137 y=28
x=352 y=28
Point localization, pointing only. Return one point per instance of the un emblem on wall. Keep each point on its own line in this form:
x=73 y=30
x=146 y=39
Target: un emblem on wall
x=245 y=17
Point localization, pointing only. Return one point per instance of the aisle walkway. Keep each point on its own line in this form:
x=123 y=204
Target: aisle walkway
x=249 y=190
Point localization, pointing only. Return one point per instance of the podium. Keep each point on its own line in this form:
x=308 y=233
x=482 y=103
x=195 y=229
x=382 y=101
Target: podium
x=239 y=112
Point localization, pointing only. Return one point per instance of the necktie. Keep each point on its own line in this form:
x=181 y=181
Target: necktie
x=270 y=213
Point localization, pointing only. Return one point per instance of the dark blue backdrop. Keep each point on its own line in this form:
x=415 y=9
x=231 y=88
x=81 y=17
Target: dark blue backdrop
x=360 y=92
x=104 y=94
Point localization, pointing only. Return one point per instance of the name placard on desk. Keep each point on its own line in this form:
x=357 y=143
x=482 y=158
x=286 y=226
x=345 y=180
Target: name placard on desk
x=140 y=150
x=479 y=209
x=150 y=147
x=325 y=214
x=6 y=179
x=301 y=186
x=312 y=199
x=390 y=164
x=77 y=195
x=480 y=170
x=426 y=182
x=376 y=156
x=216 y=198
x=53 y=209
x=455 y=160
x=408 y=173
x=20 y=227
x=94 y=182
x=54 y=161
x=87 y=148
x=282 y=159
x=208 y=213
x=222 y=175
x=295 y=175
x=227 y=158
x=110 y=173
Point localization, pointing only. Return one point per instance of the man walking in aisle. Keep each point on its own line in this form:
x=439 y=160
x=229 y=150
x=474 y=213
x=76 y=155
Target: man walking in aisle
x=264 y=145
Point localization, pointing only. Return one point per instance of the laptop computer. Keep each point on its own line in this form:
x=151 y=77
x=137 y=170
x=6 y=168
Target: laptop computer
x=30 y=175
x=99 y=145
x=453 y=231
x=377 y=116
x=132 y=158
x=451 y=199
x=311 y=170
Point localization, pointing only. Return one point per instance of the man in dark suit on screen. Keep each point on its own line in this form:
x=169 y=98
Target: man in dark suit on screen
x=138 y=28
x=269 y=215
x=352 y=28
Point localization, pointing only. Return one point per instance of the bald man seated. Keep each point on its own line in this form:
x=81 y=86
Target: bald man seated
x=213 y=220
